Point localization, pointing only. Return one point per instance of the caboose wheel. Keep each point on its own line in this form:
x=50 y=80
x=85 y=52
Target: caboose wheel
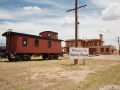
x=49 y=56
x=56 y=56
x=9 y=58
x=17 y=58
x=29 y=57
x=44 y=56
x=52 y=57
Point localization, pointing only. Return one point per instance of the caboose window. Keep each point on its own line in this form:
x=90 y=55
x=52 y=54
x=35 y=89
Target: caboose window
x=24 y=41
x=36 y=42
x=56 y=35
x=49 y=43
x=48 y=34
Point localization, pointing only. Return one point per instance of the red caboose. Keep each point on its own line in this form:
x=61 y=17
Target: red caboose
x=22 y=46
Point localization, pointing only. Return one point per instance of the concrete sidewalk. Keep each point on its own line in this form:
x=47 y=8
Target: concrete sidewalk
x=106 y=57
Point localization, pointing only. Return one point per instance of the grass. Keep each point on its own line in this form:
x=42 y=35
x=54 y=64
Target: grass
x=110 y=76
x=9 y=84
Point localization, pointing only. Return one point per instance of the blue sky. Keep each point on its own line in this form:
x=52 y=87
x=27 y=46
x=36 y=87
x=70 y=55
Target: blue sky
x=34 y=16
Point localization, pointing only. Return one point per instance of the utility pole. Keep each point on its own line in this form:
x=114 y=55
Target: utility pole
x=76 y=24
x=118 y=44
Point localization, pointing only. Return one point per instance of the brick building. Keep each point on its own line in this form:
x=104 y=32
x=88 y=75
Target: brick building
x=94 y=45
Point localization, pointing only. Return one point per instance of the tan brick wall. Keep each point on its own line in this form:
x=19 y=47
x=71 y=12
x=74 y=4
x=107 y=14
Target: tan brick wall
x=90 y=44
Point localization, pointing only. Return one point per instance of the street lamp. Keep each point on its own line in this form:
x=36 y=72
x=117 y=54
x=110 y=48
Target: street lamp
x=85 y=40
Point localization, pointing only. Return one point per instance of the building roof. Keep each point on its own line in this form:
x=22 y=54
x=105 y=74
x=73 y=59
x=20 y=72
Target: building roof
x=82 y=40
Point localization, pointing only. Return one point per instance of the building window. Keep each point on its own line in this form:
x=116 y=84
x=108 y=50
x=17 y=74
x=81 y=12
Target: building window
x=81 y=43
x=95 y=43
x=107 y=49
x=88 y=43
x=72 y=43
x=99 y=43
x=68 y=44
x=95 y=49
x=91 y=44
x=49 y=44
x=56 y=36
x=24 y=41
x=48 y=34
x=52 y=35
x=36 y=42
x=102 y=49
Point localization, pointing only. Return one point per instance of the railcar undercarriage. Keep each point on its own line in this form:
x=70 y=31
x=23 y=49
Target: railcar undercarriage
x=27 y=57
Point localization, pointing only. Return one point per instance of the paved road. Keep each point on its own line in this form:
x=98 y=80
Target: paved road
x=107 y=57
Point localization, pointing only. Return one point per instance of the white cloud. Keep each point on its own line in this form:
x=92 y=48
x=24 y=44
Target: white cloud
x=108 y=31
x=32 y=8
x=67 y=21
x=112 y=12
x=55 y=3
x=33 y=20
x=6 y=14
x=17 y=15
x=105 y=30
x=104 y=3
x=7 y=23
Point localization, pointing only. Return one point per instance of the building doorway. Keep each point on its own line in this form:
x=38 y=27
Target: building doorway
x=92 y=50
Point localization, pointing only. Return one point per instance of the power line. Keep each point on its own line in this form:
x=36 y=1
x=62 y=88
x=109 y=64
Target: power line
x=77 y=8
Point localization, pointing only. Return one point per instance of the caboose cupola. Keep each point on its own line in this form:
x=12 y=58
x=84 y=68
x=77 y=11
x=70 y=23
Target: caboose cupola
x=49 y=34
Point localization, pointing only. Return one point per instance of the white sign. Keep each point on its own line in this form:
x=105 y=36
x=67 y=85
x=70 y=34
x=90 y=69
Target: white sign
x=78 y=53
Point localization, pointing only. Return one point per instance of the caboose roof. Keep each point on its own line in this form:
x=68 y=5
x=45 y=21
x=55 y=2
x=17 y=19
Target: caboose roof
x=29 y=35
x=49 y=32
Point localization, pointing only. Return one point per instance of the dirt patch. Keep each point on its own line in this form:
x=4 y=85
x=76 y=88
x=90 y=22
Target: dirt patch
x=58 y=73
x=49 y=74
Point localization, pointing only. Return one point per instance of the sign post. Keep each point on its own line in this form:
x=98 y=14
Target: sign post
x=79 y=53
